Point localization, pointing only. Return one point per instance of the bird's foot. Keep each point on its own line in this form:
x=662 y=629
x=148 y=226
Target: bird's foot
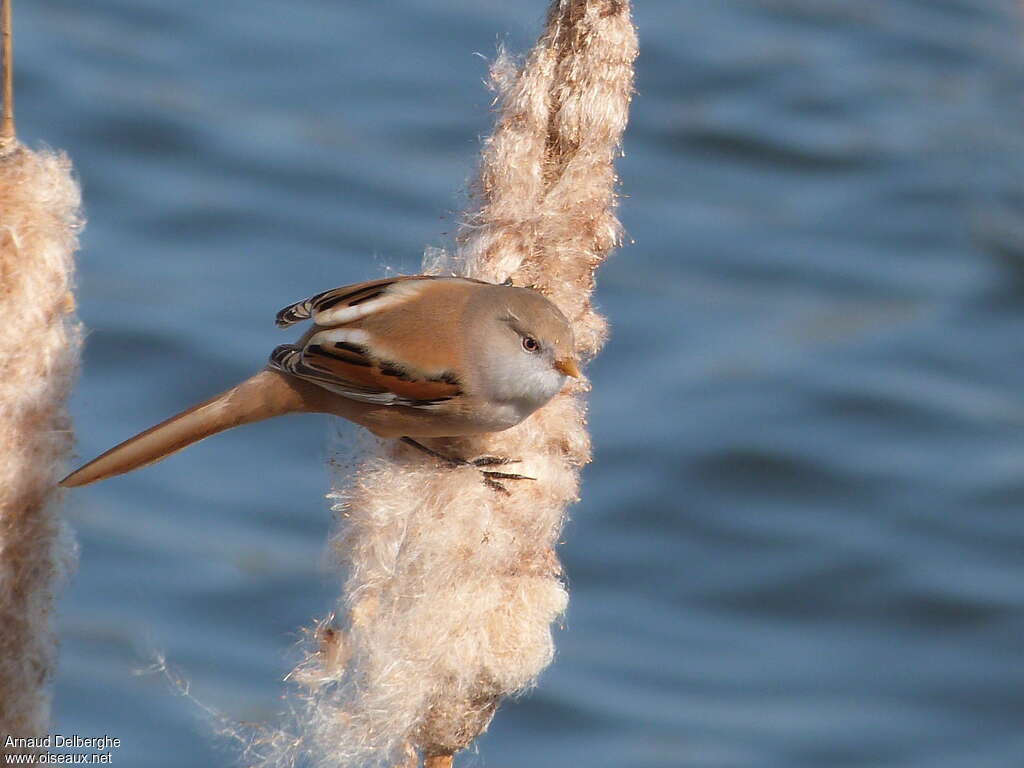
x=491 y=478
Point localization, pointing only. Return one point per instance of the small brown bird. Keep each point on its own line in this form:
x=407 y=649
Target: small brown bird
x=405 y=357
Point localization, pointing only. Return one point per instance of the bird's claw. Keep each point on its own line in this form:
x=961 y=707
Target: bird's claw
x=494 y=485
x=492 y=461
x=491 y=480
x=507 y=476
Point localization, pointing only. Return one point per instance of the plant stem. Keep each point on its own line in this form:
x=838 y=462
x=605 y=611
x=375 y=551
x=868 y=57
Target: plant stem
x=7 y=135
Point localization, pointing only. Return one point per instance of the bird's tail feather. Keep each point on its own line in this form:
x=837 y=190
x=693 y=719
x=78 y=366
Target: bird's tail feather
x=263 y=396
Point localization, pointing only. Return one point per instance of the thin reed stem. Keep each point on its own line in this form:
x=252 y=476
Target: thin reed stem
x=7 y=133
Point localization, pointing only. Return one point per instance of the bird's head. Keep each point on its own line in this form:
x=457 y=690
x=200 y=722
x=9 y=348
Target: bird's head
x=526 y=345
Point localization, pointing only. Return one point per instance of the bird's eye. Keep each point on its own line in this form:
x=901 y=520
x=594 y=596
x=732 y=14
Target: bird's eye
x=530 y=344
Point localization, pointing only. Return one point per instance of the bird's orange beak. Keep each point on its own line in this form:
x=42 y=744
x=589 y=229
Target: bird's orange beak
x=568 y=367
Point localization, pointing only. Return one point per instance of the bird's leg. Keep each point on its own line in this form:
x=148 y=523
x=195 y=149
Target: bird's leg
x=491 y=478
x=431 y=452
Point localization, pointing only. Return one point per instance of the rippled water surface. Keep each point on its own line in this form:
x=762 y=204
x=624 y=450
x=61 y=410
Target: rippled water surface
x=802 y=542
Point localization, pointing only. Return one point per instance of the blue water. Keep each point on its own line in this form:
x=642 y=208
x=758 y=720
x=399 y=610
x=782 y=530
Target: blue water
x=801 y=544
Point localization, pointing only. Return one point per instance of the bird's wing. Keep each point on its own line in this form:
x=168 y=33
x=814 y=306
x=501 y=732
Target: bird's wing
x=348 y=368
x=340 y=355
x=346 y=296
x=351 y=302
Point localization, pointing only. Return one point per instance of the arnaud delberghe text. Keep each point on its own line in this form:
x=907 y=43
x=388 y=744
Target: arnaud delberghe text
x=60 y=741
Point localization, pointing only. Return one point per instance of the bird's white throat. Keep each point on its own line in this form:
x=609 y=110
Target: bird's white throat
x=524 y=383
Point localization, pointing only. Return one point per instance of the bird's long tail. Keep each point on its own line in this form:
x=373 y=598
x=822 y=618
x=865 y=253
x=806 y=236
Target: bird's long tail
x=263 y=396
